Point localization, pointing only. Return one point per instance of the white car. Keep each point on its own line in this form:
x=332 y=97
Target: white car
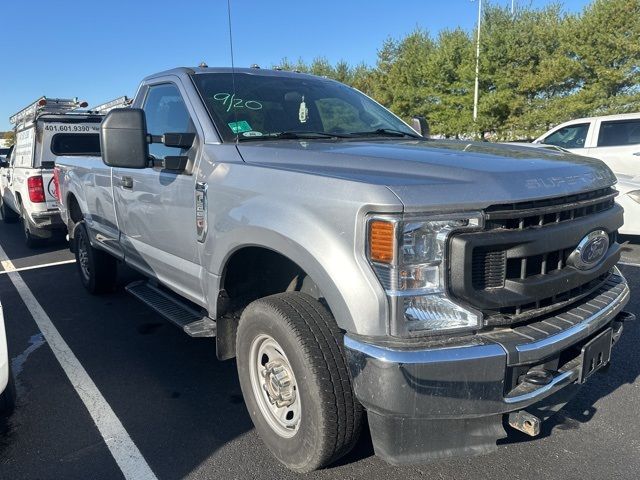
x=629 y=198
x=614 y=139
x=628 y=186
x=7 y=387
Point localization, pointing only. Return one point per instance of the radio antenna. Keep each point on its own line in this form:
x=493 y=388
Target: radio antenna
x=233 y=70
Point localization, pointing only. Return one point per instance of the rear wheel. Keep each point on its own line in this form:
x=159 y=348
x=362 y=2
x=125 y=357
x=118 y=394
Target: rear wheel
x=98 y=270
x=295 y=381
x=8 y=215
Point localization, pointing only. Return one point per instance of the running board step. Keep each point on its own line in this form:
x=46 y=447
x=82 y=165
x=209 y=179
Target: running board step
x=180 y=314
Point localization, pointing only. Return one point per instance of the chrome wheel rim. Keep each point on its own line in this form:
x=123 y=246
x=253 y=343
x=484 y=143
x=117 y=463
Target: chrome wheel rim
x=83 y=256
x=274 y=386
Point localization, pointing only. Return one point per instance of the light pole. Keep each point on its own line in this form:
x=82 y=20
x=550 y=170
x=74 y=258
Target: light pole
x=475 y=94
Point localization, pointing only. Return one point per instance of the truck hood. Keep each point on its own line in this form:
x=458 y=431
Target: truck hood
x=438 y=175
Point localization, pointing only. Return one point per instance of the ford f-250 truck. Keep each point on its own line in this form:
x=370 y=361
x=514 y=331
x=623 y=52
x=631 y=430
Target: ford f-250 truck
x=449 y=289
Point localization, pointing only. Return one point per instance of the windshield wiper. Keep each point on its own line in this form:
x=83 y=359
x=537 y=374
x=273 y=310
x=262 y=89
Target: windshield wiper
x=295 y=135
x=388 y=132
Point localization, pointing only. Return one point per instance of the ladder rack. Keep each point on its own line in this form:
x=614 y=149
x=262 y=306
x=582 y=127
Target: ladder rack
x=45 y=105
x=120 y=102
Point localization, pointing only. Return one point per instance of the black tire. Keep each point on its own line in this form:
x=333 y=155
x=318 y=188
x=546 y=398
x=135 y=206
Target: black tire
x=330 y=415
x=8 y=215
x=97 y=269
x=8 y=397
x=32 y=237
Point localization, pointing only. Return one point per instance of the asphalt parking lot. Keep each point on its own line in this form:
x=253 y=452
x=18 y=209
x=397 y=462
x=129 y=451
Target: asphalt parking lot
x=183 y=410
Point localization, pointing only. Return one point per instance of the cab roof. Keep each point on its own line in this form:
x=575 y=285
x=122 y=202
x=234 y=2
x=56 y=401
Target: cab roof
x=186 y=71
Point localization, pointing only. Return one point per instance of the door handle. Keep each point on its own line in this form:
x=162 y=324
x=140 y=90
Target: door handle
x=127 y=182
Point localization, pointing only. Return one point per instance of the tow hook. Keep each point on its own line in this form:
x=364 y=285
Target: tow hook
x=525 y=422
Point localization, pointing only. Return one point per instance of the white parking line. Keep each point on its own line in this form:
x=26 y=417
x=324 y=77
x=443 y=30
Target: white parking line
x=629 y=264
x=9 y=267
x=124 y=451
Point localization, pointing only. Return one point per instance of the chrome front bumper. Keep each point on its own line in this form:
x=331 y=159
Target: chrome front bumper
x=450 y=400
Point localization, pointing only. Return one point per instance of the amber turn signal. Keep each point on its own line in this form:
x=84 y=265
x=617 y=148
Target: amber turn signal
x=381 y=241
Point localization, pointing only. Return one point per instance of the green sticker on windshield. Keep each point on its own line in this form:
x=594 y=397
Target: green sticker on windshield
x=240 y=127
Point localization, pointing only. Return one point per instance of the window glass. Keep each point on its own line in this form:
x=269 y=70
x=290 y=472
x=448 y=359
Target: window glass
x=619 y=133
x=266 y=105
x=166 y=112
x=339 y=116
x=76 y=144
x=572 y=136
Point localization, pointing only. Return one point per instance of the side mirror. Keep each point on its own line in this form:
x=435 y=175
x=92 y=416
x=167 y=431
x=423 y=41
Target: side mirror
x=123 y=138
x=421 y=126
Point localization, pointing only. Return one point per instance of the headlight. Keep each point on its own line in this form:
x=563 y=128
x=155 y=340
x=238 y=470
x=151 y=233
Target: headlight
x=634 y=195
x=408 y=256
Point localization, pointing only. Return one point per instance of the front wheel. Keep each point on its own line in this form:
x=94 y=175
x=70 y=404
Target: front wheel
x=295 y=381
x=98 y=270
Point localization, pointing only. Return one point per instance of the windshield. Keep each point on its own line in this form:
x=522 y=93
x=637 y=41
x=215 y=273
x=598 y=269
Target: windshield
x=278 y=106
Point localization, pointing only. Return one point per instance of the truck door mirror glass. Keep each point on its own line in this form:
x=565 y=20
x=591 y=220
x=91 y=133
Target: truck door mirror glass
x=421 y=126
x=123 y=138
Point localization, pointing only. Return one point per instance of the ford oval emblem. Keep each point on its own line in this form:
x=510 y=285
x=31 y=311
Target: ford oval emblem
x=590 y=251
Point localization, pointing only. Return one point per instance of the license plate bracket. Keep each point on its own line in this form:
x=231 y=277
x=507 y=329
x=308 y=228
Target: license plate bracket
x=596 y=354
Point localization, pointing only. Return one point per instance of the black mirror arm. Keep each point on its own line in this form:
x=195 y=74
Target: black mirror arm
x=177 y=140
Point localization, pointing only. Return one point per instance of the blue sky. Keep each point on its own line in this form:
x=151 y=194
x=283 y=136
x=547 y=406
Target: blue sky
x=99 y=50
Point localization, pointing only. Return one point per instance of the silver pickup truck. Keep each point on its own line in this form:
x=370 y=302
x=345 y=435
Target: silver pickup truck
x=450 y=289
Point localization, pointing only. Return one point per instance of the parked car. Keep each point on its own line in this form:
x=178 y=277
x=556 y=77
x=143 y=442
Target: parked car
x=7 y=386
x=629 y=198
x=449 y=288
x=45 y=129
x=614 y=139
x=4 y=153
x=628 y=186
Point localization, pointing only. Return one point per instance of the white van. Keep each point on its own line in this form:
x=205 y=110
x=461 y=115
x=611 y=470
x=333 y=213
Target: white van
x=614 y=139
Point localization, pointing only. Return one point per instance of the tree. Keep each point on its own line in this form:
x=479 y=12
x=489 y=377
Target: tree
x=9 y=136
x=538 y=68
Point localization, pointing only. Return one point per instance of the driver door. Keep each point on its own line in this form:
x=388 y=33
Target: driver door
x=155 y=208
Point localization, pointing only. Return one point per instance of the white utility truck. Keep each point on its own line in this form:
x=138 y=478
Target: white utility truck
x=46 y=129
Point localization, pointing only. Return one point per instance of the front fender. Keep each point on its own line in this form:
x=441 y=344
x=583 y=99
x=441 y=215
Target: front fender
x=320 y=243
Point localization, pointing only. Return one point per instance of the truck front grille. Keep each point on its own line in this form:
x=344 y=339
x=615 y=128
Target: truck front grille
x=517 y=267
x=518 y=216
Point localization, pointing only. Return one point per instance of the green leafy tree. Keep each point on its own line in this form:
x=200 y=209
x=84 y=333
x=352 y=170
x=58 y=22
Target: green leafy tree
x=538 y=68
x=9 y=136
